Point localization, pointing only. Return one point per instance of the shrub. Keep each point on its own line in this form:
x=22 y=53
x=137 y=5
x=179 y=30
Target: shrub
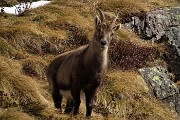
x=127 y=55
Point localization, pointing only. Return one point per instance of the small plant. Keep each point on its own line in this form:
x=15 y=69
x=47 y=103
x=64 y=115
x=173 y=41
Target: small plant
x=2 y=10
x=127 y=55
x=22 y=7
x=2 y=4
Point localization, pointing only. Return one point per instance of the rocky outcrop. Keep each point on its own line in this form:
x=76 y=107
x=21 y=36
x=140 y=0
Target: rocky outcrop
x=162 y=87
x=173 y=34
x=152 y=25
x=161 y=24
x=173 y=61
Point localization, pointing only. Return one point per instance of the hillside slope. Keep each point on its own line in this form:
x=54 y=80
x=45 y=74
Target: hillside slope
x=29 y=42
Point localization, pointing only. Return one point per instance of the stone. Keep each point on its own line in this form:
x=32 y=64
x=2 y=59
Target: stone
x=173 y=33
x=158 y=79
x=153 y=24
x=174 y=102
x=161 y=86
x=162 y=24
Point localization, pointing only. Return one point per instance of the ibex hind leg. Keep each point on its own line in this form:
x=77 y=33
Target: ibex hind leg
x=76 y=99
x=57 y=97
x=76 y=104
x=69 y=106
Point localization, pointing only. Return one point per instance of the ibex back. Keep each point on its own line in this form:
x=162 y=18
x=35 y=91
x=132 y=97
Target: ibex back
x=82 y=69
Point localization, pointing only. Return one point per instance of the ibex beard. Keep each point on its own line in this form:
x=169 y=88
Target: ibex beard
x=82 y=69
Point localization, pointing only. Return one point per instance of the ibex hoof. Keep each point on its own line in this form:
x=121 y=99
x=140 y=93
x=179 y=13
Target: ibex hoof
x=88 y=117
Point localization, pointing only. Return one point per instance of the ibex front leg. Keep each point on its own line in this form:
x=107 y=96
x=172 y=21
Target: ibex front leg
x=89 y=101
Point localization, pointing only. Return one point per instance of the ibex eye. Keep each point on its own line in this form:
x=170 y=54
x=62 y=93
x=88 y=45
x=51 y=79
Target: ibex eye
x=111 y=34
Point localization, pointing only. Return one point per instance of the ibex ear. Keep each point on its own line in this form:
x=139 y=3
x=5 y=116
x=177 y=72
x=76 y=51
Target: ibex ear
x=117 y=27
x=97 y=20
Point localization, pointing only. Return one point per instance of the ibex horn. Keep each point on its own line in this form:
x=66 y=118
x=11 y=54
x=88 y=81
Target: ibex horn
x=102 y=17
x=114 y=21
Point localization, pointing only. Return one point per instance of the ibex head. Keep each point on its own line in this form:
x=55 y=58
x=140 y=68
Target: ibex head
x=104 y=31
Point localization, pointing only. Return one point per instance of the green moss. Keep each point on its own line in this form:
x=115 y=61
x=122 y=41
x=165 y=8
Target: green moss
x=177 y=16
x=156 y=78
x=155 y=69
x=172 y=85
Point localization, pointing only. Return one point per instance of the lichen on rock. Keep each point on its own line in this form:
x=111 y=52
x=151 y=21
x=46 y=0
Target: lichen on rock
x=162 y=87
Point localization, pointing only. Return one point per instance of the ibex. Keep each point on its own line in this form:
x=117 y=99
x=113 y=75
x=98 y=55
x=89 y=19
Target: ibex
x=82 y=69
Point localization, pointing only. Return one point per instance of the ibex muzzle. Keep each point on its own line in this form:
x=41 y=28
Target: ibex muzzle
x=82 y=69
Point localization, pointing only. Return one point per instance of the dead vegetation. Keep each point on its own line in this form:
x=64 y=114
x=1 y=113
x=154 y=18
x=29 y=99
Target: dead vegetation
x=14 y=114
x=16 y=89
x=130 y=102
x=127 y=55
x=28 y=43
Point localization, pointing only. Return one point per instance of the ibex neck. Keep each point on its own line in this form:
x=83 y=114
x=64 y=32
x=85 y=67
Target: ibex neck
x=96 y=56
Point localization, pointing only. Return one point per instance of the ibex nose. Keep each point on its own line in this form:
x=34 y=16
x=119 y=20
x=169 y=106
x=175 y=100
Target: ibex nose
x=103 y=42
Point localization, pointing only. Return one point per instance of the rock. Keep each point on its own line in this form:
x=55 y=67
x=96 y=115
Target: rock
x=161 y=24
x=173 y=48
x=173 y=34
x=162 y=87
x=157 y=78
x=153 y=24
x=174 y=102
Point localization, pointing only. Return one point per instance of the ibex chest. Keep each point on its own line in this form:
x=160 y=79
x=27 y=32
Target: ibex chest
x=97 y=61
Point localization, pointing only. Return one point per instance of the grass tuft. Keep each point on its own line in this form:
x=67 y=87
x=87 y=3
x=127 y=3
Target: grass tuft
x=17 y=90
x=120 y=97
x=14 y=114
x=29 y=42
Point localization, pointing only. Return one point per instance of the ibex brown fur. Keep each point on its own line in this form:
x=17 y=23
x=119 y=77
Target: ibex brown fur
x=82 y=69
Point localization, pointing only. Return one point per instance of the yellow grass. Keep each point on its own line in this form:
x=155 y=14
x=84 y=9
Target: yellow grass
x=18 y=90
x=125 y=91
x=126 y=95
x=128 y=36
x=14 y=114
x=136 y=5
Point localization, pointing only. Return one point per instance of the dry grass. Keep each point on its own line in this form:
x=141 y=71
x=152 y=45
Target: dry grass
x=28 y=43
x=5 y=48
x=178 y=84
x=129 y=36
x=18 y=90
x=34 y=67
x=129 y=8
x=125 y=94
x=14 y=114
